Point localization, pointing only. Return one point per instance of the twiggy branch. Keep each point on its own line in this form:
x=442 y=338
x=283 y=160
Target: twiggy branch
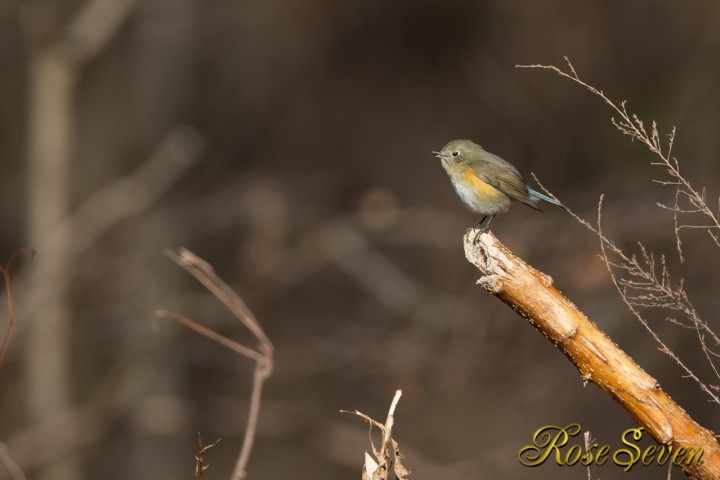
x=623 y=287
x=599 y=360
x=641 y=282
x=630 y=124
x=263 y=357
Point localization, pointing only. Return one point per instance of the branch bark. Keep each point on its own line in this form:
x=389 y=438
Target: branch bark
x=532 y=295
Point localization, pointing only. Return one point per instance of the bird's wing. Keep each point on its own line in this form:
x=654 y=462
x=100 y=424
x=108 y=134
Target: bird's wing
x=508 y=181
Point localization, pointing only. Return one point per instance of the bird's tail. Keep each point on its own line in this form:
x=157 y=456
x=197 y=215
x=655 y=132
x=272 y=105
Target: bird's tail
x=539 y=195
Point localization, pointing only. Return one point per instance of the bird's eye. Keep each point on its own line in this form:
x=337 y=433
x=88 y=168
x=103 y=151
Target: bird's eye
x=455 y=153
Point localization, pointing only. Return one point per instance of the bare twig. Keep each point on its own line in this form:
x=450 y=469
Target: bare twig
x=630 y=124
x=669 y=474
x=263 y=357
x=632 y=266
x=205 y=274
x=599 y=359
x=588 y=440
x=645 y=282
x=5 y=271
x=212 y=335
x=200 y=466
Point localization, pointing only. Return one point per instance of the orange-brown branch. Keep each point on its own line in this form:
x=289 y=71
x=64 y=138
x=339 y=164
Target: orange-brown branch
x=599 y=360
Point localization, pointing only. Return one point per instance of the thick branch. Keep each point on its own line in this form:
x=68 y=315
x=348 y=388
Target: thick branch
x=599 y=360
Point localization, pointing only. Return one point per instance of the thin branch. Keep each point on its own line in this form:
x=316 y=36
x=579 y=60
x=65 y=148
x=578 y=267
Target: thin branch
x=5 y=271
x=629 y=124
x=212 y=335
x=205 y=274
x=641 y=286
x=200 y=465
x=261 y=373
x=588 y=441
x=631 y=306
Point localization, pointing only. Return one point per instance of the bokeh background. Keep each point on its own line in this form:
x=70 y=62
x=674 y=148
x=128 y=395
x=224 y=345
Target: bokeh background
x=288 y=143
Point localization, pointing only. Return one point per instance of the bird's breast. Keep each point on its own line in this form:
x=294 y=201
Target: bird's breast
x=477 y=194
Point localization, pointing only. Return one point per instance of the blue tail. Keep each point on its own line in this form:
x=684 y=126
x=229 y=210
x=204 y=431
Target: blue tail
x=539 y=195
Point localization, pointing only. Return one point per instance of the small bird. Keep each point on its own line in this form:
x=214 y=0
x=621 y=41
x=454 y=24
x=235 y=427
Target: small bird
x=486 y=183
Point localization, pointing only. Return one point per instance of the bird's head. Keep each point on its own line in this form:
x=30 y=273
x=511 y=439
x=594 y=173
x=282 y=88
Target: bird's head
x=457 y=152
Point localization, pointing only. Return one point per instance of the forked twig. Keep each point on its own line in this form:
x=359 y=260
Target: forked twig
x=263 y=356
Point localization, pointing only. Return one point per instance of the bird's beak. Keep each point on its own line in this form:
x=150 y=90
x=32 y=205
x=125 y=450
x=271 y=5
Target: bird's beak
x=438 y=154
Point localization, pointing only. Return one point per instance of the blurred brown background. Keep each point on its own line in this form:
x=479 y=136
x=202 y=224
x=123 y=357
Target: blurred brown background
x=288 y=143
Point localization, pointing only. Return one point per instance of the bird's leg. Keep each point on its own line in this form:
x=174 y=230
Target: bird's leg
x=480 y=225
x=484 y=226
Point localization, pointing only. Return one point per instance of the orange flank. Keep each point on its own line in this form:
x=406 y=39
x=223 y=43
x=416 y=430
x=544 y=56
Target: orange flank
x=481 y=188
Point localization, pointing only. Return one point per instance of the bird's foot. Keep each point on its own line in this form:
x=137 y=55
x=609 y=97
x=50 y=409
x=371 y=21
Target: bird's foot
x=484 y=226
x=479 y=232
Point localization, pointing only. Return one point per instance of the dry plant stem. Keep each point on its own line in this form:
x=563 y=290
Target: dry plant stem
x=621 y=286
x=253 y=413
x=663 y=295
x=388 y=460
x=588 y=441
x=629 y=124
x=200 y=465
x=212 y=335
x=532 y=295
x=5 y=271
x=642 y=283
x=390 y=420
x=263 y=357
x=205 y=274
